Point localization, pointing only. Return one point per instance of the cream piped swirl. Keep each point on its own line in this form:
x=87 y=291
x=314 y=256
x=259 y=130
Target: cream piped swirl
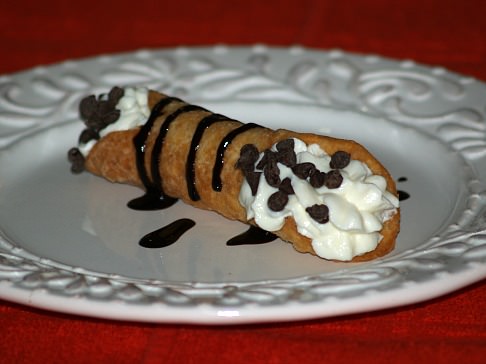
x=356 y=208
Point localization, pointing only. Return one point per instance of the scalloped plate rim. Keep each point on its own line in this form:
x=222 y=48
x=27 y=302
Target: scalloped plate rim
x=214 y=314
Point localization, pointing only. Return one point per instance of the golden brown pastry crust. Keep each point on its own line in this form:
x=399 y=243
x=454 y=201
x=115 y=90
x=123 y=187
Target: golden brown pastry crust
x=113 y=157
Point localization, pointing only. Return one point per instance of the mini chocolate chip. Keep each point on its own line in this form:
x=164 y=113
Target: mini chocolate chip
x=319 y=213
x=285 y=145
x=248 y=156
x=115 y=94
x=333 y=179
x=287 y=158
x=104 y=115
x=98 y=113
x=110 y=117
x=77 y=160
x=73 y=154
x=285 y=152
x=87 y=107
x=304 y=170
x=277 y=201
x=317 y=179
x=286 y=186
x=88 y=135
x=253 y=179
x=93 y=123
x=272 y=174
x=339 y=160
x=103 y=107
x=268 y=157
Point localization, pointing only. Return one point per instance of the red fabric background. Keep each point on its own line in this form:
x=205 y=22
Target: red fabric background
x=452 y=34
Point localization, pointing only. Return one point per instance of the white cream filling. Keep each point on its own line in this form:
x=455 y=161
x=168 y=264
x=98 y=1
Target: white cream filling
x=134 y=111
x=357 y=208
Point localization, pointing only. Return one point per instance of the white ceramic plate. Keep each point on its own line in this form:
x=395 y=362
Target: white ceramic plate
x=68 y=243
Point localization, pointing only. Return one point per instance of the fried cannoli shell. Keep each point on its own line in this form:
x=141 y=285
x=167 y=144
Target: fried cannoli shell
x=113 y=157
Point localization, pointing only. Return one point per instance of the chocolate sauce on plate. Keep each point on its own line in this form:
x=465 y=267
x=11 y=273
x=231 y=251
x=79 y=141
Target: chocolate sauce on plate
x=166 y=235
x=402 y=195
x=253 y=236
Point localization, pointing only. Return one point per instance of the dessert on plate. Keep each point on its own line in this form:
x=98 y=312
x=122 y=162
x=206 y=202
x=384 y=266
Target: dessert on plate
x=326 y=196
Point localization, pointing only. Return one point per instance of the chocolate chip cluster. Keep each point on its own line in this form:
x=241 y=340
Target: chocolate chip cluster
x=97 y=114
x=285 y=155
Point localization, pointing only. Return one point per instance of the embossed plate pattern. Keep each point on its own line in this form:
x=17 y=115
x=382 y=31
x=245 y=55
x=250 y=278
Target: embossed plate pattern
x=68 y=243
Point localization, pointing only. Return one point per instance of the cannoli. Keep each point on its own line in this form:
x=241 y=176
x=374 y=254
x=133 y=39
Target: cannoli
x=326 y=196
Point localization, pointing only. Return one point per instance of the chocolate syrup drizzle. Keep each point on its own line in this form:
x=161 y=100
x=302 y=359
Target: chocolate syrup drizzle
x=219 y=163
x=159 y=142
x=191 y=158
x=155 y=198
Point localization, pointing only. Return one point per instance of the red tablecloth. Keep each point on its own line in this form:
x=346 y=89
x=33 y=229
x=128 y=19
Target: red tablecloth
x=452 y=34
